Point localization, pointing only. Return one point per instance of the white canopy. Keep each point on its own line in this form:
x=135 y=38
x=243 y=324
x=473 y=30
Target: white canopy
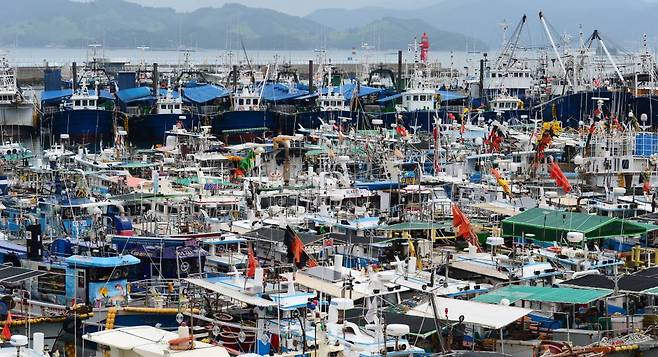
x=232 y=293
x=149 y=341
x=485 y=315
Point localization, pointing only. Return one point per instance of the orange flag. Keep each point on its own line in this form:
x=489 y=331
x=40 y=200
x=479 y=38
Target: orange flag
x=6 y=332
x=463 y=225
x=252 y=262
x=561 y=180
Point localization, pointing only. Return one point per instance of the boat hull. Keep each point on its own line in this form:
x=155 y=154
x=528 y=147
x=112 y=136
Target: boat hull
x=150 y=129
x=82 y=126
x=243 y=124
x=20 y=116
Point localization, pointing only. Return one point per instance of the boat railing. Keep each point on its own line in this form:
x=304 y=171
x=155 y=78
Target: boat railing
x=209 y=109
x=156 y=292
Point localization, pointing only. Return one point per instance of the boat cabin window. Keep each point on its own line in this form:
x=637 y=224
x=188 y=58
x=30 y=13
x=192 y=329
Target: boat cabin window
x=107 y=274
x=177 y=106
x=241 y=101
x=84 y=102
x=76 y=103
x=171 y=106
x=415 y=98
x=624 y=164
x=255 y=101
x=72 y=212
x=52 y=283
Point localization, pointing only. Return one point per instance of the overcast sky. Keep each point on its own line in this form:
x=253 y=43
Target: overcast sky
x=293 y=7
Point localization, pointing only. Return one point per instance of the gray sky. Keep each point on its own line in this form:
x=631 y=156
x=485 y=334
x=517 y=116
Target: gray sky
x=293 y=7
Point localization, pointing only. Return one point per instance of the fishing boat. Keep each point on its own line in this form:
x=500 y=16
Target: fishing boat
x=17 y=106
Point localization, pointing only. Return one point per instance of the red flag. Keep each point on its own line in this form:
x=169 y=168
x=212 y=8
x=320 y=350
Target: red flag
x=401 y=130
x=252 y=263
x=296 y=251
x=463 y=225
x=6 y=332
x=561 y=180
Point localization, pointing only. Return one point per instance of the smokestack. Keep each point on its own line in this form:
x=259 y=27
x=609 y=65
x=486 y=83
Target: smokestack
x=481 y=79
x=235 y=78
x=74 y=73
x=399 y=70
x=310 y=76
x=156 y=80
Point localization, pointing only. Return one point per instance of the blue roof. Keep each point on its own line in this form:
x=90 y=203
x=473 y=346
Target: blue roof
x=389 y=98
x=199 y=94
x=378 y=185
x=136 y=94
x=273 y=92
x=447 y=96
x=57 y=95
x=101 y=262
x=348 y=89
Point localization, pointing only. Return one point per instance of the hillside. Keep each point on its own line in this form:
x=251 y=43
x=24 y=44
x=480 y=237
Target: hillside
x=117 y=23
x=622 y=22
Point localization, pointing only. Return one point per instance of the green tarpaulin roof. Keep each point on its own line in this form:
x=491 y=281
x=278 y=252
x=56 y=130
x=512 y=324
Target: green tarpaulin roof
x=552 y=225
x=514 y=293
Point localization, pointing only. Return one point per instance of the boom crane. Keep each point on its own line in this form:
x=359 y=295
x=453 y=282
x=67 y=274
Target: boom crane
x=557 y=53
x=597 y=36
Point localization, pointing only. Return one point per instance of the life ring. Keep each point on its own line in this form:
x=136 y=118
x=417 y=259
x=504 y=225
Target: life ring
x=181 y=343
x=555 y=249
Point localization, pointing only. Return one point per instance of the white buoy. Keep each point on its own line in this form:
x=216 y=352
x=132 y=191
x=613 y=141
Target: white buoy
x=397 y=330
x=338 y=262
x=495 y=241
x=38 y=342
x=575 y=237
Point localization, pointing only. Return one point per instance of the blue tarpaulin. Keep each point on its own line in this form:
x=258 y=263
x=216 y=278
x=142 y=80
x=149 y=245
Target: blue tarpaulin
x=200 y=94
x=136 y=94
x=348 y=89
x=280 y=92
x=447 y=96
x=56 y=96
x=389 y=98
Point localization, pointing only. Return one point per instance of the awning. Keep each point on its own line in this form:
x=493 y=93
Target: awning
x=447 y=96
x=136 y=94
x=231 y=293
x=378 y=185
x=349 y=89
x=485 y=315
x=13 y=275
x=514 y=293
x=325 y=287
x=150 y=341
x=553 y=225
x=389 y=98
x=643 y=282
x=201 y=94
x=101 y=262
x=277 y=92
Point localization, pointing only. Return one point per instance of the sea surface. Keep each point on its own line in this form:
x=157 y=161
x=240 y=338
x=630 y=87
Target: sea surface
x=61 y=56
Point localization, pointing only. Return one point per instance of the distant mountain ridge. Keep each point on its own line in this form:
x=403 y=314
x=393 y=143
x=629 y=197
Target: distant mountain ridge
x=621 y=21
x=117 y=23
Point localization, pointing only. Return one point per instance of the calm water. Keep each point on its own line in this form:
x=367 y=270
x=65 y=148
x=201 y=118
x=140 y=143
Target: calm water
x=61 y=56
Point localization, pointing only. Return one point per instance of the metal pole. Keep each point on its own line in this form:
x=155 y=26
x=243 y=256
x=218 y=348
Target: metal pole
x=310 y=76
x=557 y=54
